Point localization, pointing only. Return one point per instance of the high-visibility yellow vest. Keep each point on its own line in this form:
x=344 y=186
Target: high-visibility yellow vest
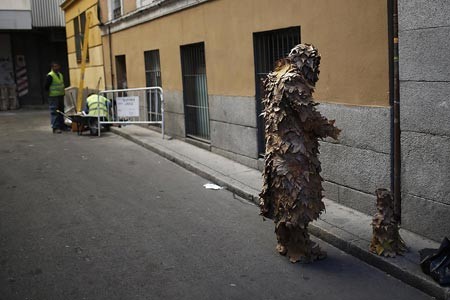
x=57 y=86
x=98 y=105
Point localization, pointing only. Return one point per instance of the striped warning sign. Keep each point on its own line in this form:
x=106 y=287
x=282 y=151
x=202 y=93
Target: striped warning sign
x=21 y=76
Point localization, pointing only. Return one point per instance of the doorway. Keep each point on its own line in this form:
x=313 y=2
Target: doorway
x=121 y=72
x=195 y=91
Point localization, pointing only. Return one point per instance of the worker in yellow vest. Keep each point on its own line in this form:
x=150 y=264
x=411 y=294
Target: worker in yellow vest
x=97 y=106
x=54 y=84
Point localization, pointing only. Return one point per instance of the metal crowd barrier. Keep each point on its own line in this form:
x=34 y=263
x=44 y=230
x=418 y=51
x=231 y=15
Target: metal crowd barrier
x=134 y=106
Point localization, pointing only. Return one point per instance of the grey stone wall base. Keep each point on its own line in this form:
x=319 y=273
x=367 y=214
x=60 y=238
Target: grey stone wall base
x=421 y=14
x=234 y=138
x=426 y=217
x=173 y=102
x=362 y=127
x=246 y=161
x=425 y=166
x=359 y=162
x=360 y=201
x=232 y=122
x=424 y=54
x=261 y=164
x=233 y=127
x=233 y=109
x=174 y=113
x=425 y=107
x=358 y=169
x=331 y=191
x=174 y=124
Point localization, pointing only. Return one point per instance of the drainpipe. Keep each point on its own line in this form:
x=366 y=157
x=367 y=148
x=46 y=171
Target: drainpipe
x=394 y=100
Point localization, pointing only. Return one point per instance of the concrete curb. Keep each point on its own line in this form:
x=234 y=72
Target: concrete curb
x=335 y=236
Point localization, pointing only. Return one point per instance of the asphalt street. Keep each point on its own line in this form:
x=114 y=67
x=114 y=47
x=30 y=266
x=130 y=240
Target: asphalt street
x=101 y=218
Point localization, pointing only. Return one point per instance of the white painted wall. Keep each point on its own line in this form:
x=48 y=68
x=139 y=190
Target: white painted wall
x=15 y=14
x=15 y=5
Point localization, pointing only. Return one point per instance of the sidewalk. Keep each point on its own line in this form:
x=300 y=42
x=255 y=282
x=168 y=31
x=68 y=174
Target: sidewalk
x=343 y=227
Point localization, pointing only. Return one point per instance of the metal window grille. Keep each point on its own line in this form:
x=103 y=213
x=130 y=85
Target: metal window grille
x=195 y=91
x=79 y=24
x=153 y=78
x=269 y=46
x=117 y=11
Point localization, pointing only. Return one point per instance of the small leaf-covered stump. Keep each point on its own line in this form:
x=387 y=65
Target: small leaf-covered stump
x=292 y=189
x=386 y=239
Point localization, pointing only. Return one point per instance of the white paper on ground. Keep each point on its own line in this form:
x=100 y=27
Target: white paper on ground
x=212 y=186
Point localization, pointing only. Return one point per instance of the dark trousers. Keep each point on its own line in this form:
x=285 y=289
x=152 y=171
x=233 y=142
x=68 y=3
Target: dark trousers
x=56 y=119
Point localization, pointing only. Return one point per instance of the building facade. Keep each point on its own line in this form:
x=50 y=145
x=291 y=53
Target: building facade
x=76 y=16
x=209 y=56
x=31 y=37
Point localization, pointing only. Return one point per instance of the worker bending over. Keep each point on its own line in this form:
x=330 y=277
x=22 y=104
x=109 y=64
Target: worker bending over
x=97 y=106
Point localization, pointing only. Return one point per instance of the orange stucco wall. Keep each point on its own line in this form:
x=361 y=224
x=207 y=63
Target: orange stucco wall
x=129 y=6
x=351 y=35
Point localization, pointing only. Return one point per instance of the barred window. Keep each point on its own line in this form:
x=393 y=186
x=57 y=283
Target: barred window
x=79 y=24
x=152 y=79
x=268 y=47
x=117 y=8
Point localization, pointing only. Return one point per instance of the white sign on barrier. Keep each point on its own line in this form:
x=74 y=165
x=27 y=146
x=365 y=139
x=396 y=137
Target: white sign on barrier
x=127 y=110
x=127 y=106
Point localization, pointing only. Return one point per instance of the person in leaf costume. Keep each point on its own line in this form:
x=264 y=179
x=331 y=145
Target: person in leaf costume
x=292 y=189
x=386 y=239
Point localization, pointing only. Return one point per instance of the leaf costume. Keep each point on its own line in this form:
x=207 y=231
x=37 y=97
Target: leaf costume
x=292 y=189
x=386 y=239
